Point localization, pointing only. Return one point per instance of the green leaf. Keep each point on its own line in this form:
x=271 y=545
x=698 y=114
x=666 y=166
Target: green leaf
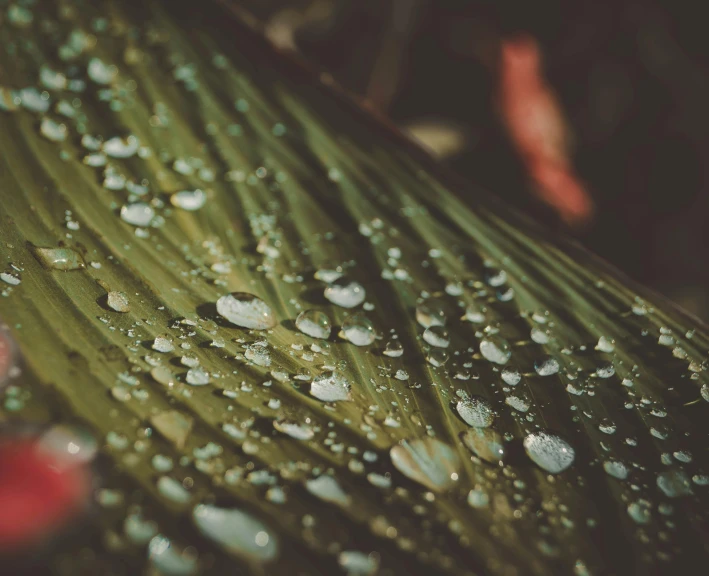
x=271 y=451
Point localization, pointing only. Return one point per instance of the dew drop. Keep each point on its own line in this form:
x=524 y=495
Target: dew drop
x=427 y=461
x=549 y=451
x=293 y=429
x=117 y=301
x=246 y=310
x=437 y=357
x=511 y=376
x=437 y=336
x=236 y=532
x=345 y=293
x=331 y=387
x=546 y=366
x=314 y=323
x=59 y=258
x=359 y=330
x=117 y=147
x=430 y=313
x=616 y=468
x=393 y=349
x=167 y=560
x=486 y=443
x=674 y=483
x=163 y=344
x=495 y=349
x=137 y=214
x=475 y=411
x=197 y=377
x=328 y=489
x=189 y=200
x=358 y=563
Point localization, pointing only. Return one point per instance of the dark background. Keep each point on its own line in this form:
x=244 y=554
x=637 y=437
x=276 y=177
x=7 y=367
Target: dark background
x=632 y=78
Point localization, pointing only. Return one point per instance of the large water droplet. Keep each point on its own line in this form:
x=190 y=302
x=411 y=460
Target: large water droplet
x=549 y=451
x=246 y=310
x=330 y=387
x=495 y=349
x=476 y=411
x=486 y=443
x=314 y=323
x=674 y=483
x=359 y=330
x=345 y=292
x=58 y=258
x=117 y=301
x=236 y=532
x=437 y=336
x=428 y=461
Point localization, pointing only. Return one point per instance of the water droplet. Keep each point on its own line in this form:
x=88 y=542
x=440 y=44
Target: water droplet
x=437 y=336
x=546 y=366
x=258 y=353
x=189 y=200
x=358 y=563
x=137 y=214
x=173 y=426
x=605 y=345
x=117 y=147
x=495 y=349
x=518 y=403
x=314 y=323
x=138 y=530
x=118 y=301
x=197 y=377
x=427 y=461
x=640 y=511
x=330 y=387
x=476 y=411
x=437 y=357
x=486 y=443
x=549 y=451
x=511 y=376
x=674 y=483
x=393 y=349
x=11 y=278
x=495 y=277
x=59 y=258
x=345 y=293
x=100 y=72
x=430 y=313
x=69 y=443
x=246 y=310
x=478 y=498
x=328 y=489
x=294 y=429
x=167 y=560
x=605 y=370
x=359 y=330
x=53 y=131
x=616 y=468
x=173 y=490
x=236 y=532
x=163 y=344
x=539 y=336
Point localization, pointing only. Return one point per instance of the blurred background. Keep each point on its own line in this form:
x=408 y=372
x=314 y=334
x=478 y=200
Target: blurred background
x=592 y=116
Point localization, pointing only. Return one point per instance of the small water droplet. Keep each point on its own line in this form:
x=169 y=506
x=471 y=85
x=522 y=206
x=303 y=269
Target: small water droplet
x=163 y=343
x=197 y=377
x=616 y=468
x=393 y=349
x=328 y=489
x=294 y=429
x=118 y=301
x=437 y=336
x=137 y=214
x=546 y=366
x=189 y=200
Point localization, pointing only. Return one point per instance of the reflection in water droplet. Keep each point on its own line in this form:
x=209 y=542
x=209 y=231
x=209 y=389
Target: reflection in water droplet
x=476 y=411
x=428 y=461
x=331 y=387
x=345 y=293
x=359 y=330
x=236 y=532
x=495 y=349
x=246 y=310
x=314 y=323
x=549 y=451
